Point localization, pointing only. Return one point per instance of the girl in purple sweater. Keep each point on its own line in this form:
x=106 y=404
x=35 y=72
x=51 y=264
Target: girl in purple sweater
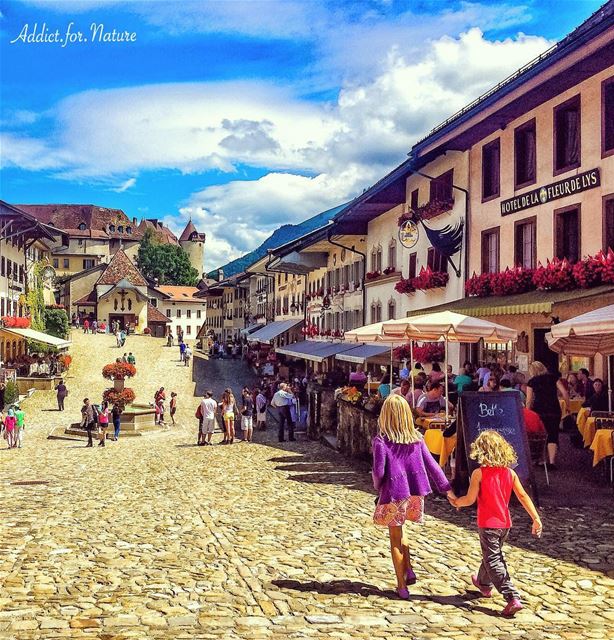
x=403 y=471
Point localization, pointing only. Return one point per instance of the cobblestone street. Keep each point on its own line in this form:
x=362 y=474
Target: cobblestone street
x=154 y=537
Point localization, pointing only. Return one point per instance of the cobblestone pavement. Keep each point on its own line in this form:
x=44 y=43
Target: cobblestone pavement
x=154 y=537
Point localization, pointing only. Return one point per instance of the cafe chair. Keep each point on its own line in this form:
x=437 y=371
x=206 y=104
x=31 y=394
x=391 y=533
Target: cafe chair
x=538 y=450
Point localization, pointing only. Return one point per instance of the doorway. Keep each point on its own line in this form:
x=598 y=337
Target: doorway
x=542 y=352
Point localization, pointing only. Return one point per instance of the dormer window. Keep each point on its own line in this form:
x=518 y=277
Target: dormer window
x=120 y=229
x=128 y=229
x=82 y=226
x=112 y=228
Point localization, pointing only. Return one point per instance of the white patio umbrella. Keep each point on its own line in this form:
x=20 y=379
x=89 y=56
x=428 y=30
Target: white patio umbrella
x=586 y=335
x=371 y=333
x=447 y=326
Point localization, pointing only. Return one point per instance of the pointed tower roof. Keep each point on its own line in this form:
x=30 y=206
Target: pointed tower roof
x=188 y=231
x=120 y=268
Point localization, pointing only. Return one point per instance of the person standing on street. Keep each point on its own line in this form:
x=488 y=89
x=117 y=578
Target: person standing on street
x=173 y=407
x=182 y=348
x=20 y=419
x=86 y=326
x=261 y=403
x=62 y=392
x=131 y=358
x=103 y=423
x=88 y=420
x=187 y=355
x=282 y=401
x=229 y=409
x=247 y=414
x=116 y=413
x=208 y=409
x=9 y=428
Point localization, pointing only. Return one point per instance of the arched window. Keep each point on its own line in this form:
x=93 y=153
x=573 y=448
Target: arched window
x=378 y=266
x=82 y=226
x=112 y=228
x=379 y=312
x=120 y=229
x=373 y=313
x=392 y=309
x=128 y=229
x=392 y=255
x=374 y=260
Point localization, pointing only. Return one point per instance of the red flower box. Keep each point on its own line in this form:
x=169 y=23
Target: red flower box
x=16 y=322
x=118 y=371
x=555 y=275
x=429 y=279
x=371 y=275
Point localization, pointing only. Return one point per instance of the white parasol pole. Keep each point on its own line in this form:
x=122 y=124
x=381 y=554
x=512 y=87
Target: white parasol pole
x=411 y=370
x=391 y=349
x=610 y=371
x=445 y=351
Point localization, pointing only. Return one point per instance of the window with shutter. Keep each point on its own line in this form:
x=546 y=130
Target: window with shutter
x=413 y=261
x=436 y=261
x=490 y=250
x=524 y=154
x=525 y=249
x=608 y=223
x=607 y=117
x=567 y=230
x=567 y=135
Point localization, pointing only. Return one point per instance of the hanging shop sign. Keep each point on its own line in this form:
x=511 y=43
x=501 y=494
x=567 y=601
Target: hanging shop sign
x=542 y=195
x=409 y=234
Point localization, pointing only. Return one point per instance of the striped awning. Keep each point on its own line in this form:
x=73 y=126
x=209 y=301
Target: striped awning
x=361 y=353
x=271 y=331
x=585 y=335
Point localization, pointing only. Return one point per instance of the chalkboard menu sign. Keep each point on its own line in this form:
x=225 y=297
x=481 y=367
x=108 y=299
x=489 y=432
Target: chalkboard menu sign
x=496 y=411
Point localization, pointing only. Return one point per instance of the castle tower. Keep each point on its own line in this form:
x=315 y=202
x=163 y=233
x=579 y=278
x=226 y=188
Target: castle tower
x=193 y=243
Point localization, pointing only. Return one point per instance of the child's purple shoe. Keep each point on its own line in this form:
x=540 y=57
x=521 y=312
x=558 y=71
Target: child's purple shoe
x=410 y=576
x=403 y=594
x=485 y=591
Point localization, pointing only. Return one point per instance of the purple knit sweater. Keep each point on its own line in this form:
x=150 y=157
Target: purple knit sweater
x=404 y=470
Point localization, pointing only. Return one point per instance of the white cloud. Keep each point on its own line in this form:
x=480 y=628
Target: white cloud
x=124 y=186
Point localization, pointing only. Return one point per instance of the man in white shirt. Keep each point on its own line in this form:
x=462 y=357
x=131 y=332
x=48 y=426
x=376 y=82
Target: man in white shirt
x=208 y=409
x=282 y=401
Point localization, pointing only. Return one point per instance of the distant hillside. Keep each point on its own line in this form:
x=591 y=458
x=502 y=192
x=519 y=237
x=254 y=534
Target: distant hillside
x=280 y=236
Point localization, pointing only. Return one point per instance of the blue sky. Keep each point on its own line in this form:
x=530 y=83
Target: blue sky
x=244 y=115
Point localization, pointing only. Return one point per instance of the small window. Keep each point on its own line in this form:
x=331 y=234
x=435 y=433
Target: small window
x=491 y=154
x=120 y=229
x=112 y=228
x=413 y=263
x=66 y=262
x=607 y=117
x=436 y=261
x=188 y=330
x=198 y=312
x=188 y=314
x=56 y=264
x=567 y=135
x=392 y=307
x=168 y=313
x=82 y=226
x=525 y=248
x=3 y=265
x=128 y=230
x=88 y=263
x=608 y=223
x=490 y=251
x=567 y=234
x=80 y=242
x=178 y=313
x=392 y=255
x=441 y=187
x=413 y=199
x=524 y=154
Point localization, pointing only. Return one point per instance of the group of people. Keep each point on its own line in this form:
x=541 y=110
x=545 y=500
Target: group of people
x=95 y=419
x=12 y=426
x=232 y=348
x=160 y=406
x=185 y=353
x=405 y=472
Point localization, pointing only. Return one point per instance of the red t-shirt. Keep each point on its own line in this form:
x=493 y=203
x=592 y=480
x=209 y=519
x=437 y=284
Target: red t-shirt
x=494 y=498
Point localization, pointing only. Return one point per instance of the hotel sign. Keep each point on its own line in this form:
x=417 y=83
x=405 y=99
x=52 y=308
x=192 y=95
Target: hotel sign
x=554 y=191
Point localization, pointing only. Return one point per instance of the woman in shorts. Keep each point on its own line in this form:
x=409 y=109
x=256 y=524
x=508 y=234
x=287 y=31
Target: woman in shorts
x=228 y=408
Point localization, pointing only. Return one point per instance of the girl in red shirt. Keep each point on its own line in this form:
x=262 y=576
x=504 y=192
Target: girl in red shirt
x=492 y=485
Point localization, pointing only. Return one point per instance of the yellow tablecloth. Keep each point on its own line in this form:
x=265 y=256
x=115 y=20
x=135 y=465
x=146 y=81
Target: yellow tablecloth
x=602 y=445
x=438 y=445
x=448 y=446
x=581 y=420
x=435 y=422
x=575 y=406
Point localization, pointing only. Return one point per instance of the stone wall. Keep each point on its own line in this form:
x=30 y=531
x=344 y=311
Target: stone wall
x=355 y=429
x=322 y=414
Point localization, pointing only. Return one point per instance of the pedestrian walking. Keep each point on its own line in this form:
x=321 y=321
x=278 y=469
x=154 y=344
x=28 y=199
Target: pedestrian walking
x=122 y=336
x=281 y=402
x=403 y=470
x=187 y=355
x=118 y=338
x=492 y=485
x=228 y=408
x=207 y=409
x=10 y=423
x=131 y=358
x=169 y=339
x=247 y=415
x=173 y=406
x=261 y=403
x=86 y=326
x=182 y=348
x=20 y=420
x=125 y=357
x=160 y=409
x=88 y=419
x=94 y=326
x=61 y=393
x=103 y=423
x=116 y=413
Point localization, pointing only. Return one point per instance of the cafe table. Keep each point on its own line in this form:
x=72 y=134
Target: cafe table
x=434 y=439
x=575 y=406
x=602 y=445
x=586 y=425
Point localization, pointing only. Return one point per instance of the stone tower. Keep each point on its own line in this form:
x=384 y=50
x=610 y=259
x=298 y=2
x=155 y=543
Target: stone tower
x=193 y=243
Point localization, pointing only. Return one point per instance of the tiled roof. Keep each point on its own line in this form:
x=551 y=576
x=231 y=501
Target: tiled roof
x=152 y=223
x=188 y=231
x=87 y=233
x=179 y=294
x=119 y=268
x=153 y=315
x=89 y=299
x=70 y=216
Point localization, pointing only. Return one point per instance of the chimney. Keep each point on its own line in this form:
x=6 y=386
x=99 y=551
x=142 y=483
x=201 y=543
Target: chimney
x=220 y=275
x=134 y=221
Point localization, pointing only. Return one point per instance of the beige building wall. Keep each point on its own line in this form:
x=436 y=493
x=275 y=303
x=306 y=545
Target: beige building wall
x=196 y=310
x=106 y=308
x=486 y=215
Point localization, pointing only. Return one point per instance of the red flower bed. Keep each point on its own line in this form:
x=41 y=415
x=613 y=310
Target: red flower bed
x=478 y=285
x=429 y=279
x=389 y=270
x=511 y=281
x=427 y=352
x=405 y=285
x=371 y=275
x=16 y=322
x=118 y=371
x=556 y=275
x=122 y=398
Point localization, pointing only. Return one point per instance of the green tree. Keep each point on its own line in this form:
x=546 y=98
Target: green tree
x=36 y=299
x=167 y=263
x=56 y=322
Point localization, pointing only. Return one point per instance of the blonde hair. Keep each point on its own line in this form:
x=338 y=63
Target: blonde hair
x=537 y=368
x=396 y=421
x=491 y=449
